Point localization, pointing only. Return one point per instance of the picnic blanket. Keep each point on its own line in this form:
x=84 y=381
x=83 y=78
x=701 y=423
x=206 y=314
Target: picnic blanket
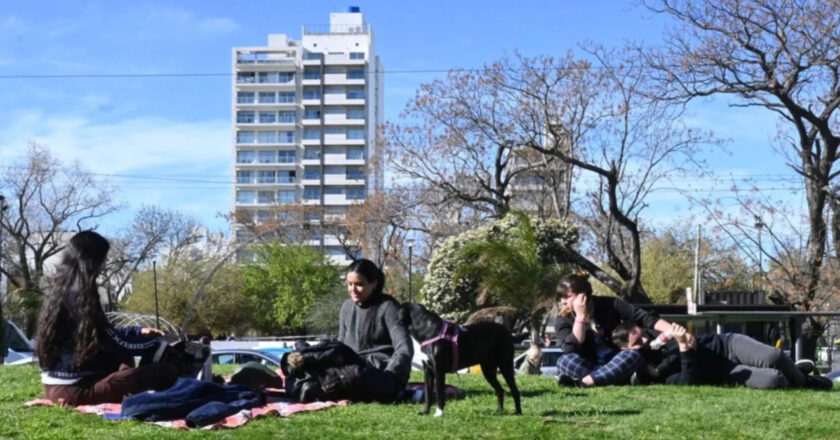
x=274 y=407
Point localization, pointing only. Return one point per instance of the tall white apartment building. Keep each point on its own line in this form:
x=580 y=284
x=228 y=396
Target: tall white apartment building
x=304 y=127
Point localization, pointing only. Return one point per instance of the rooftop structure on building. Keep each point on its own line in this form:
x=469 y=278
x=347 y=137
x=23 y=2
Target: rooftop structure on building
x=305 y=114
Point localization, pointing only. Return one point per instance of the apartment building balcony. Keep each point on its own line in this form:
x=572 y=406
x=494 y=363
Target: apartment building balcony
x=334 y=159
x=341 y=119
x=312 y=141
x=342 y=140
x=343 y=80
x=343 y=59
x=343 y=180
x=338 y=99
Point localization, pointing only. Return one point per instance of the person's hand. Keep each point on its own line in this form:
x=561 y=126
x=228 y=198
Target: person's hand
x=691 y=341
x=579 y=305
x=149 y=331
x=679 y=333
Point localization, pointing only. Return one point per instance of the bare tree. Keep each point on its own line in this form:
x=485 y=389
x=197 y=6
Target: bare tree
x=48 y=200
x=596 y=117
x=780 y=55
x=456 y=145
x=152 y=230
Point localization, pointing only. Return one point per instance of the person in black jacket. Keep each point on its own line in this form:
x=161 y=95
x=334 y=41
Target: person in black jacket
x=589 y=356
x=83 y=358
x=371 y=360
x=716 y=359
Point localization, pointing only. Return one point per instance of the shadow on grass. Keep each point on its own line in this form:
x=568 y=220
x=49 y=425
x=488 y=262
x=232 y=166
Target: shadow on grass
x=522 y=393
x=591 y=412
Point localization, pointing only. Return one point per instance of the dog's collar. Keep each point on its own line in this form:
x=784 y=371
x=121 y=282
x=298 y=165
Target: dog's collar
x=445 y=335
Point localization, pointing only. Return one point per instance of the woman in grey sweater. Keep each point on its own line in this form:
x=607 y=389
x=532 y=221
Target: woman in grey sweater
x=371 y=360
x=369 y=324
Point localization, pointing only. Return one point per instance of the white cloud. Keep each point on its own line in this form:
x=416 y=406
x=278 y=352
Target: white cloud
x=13 y=24
x=121 y=146
x=158 y=152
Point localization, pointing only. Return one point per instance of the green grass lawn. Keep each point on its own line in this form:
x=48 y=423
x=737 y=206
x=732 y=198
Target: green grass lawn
x=549 y=412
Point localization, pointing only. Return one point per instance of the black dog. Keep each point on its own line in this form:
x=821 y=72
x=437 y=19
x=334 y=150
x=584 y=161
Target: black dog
x=451 y=347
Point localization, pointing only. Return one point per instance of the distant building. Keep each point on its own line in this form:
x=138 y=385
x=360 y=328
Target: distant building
x=304 y=127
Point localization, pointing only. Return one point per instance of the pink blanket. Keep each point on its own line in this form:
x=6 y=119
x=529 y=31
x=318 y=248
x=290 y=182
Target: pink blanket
x=281 y=408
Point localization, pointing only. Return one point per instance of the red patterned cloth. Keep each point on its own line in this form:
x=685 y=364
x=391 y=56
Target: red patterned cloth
x=280 y=408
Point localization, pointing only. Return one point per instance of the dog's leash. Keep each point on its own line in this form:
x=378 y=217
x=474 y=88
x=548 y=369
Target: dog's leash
x=453 y=338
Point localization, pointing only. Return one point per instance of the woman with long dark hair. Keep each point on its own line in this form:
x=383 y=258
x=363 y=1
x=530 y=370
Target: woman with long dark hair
x=83 y=358
x=590 y=358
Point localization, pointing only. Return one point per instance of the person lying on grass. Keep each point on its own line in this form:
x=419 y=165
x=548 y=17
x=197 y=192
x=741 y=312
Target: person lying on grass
x=590 y=358
x=85 y=360
x=716 y=359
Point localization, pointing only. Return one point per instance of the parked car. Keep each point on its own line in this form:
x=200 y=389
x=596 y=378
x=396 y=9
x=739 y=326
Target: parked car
x=21 y=349
x=270 y=359
x=548 y=363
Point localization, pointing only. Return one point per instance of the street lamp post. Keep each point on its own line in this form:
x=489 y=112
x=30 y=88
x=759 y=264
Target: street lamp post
x=3 y=208
x=759 y=225
x=410 y=243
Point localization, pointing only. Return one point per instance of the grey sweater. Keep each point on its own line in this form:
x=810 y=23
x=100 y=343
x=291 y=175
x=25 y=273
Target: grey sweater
x=390 y=347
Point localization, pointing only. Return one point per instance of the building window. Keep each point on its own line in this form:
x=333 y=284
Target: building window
x=311 y=133
x=356 y=133
x=285 y=177
x=311 y=93
x=245 y=77
x=245 y=98
x=245 y=117
x=265 y=176
x=356 y=74
x=286 y=156
x=335 y=252
x=331 y=190
x=312 y=113
x=267 y=78
x=265 y=197
x=334 y=91
x=244 y=177
x=311 y=74
x=268 y=117
x=312 y=55
x=312 y=193
x=266 y=137
x=285 y=197
x=245 y=156
x=356 y=94
x=355 y=113
x=334 y=130
x=355 y=194
x=357 y=55
x=245 y=196
x=286 y=117
x=287 y=137
x=312 y=153
x=354 y=174
x=245 y=137
x=286 y=97
x=355 y=154
x=310 y=173
x=334 y=170
x=267 y=98
x=267 y=156
x=285 y=77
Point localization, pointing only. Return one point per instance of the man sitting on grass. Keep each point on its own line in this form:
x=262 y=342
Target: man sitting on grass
x=712 y=359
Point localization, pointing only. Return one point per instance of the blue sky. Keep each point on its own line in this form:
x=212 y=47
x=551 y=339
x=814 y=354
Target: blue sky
x=178 y=128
